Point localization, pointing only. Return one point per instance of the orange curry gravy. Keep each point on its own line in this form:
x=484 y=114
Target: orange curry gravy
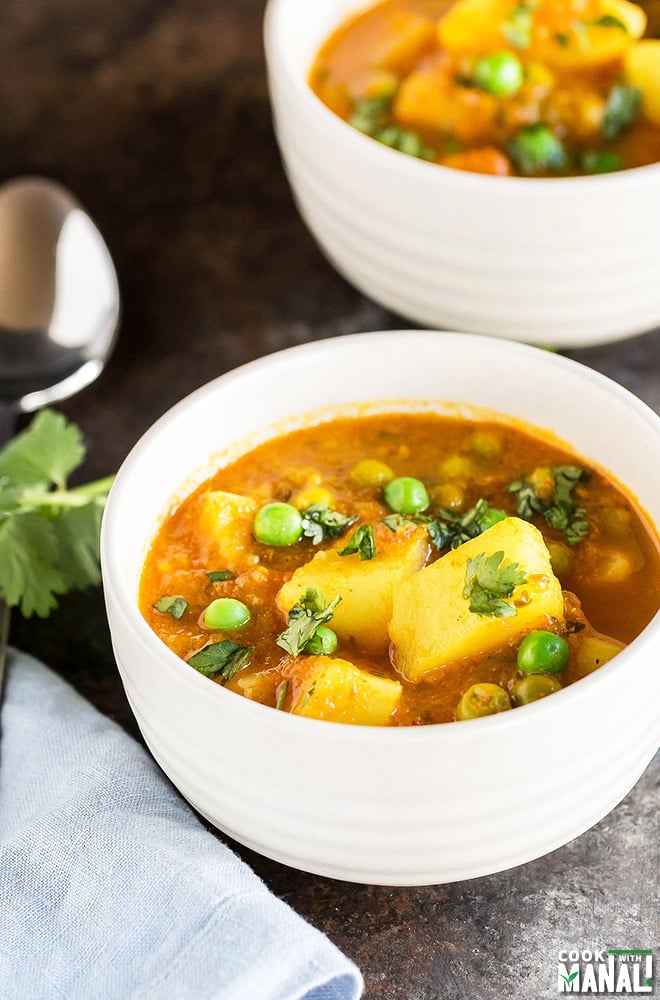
x=614 y=571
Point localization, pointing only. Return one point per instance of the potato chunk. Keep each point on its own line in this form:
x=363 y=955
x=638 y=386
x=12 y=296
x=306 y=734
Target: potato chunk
x=225 y=520
x=643 y=71
x=432 y=625
x=365 y=586
x=337 y=691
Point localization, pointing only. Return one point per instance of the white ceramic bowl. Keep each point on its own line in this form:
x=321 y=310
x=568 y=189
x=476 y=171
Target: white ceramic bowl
x=394 y=806
x=566 y=261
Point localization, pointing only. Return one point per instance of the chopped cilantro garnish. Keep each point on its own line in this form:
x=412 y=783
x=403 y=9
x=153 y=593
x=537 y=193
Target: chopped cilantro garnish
x=405 y=140
x=487 y=582
x=623 y=104
x=218 y=575
x=282 y=692
x=371 y=116
x=320 y=522
x=517 y=25
x=562 y=513
x=562 y=39
x=362 y=540
x=49 y=535
x=449 y=529
x=174 y=606
x=304 y=619
x=370 y=113
x=607 y=21
x=308 y=694
x=223 y=659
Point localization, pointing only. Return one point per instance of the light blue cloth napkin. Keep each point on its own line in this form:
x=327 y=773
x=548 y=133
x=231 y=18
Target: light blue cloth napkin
x=110 y=889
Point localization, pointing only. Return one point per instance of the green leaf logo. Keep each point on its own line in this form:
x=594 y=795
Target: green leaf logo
x=569 y=979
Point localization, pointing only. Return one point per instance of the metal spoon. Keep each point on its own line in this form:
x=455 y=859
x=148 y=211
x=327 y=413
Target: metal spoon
x=59 y=306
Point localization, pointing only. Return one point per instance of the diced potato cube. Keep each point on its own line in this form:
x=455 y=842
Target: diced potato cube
x=474 y=26
x=365 y=587
x=426 y=101
x=259 y=686
x=592 y=651
x=643 y=71
x=408 y=37
x=432 y=625
x=337 y=691
x=225 y=520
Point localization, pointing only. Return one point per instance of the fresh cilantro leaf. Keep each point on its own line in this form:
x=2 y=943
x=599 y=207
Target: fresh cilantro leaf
x=49 y=535
x=308 y=694
x=29 y=571
x=528 y=503
x=405 y=140
x=320 y=522
x=623 y=105
x=304 y=619
x=78 y=532
x=607 y=21
x=396 y=521
x=371 y=113
x=451 y=530
x=563 y=514
x=282 y=692
x=362 y=540
x=48 y=450
x=371 y=116
x=517 y=25
x=218 y=575
x=224 y=659
x=174 y=606
x=487 y=582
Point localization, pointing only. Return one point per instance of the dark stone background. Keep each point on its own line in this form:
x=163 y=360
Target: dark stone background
x=155 y=112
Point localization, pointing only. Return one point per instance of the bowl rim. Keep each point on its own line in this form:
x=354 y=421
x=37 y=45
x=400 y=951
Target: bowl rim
x=401 y=163
x=116 y=584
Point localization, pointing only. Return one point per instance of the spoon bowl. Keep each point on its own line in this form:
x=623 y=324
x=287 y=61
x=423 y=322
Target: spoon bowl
x=59 y=297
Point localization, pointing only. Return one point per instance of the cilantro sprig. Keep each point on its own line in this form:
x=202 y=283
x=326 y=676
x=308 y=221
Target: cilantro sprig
x=371 y=115
x=362 y=541
x=563 y=513
x=488 y=582
x=221 y=659
x=49 y=534
x=449 y=530
x=175 y=606
x=304 y=619
x=320 y=522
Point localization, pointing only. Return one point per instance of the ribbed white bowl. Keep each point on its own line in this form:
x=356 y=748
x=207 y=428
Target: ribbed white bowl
x=569 y=261
x=393 y=806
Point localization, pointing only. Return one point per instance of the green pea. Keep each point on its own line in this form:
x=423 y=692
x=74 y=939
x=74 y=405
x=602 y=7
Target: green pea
x=533 y=687
x=226 y=613
x=278 y=524
x=482 y=699
x=501 y=74
x=543 y=653
x=322 y=643
x=406 y=495
x=536 y=149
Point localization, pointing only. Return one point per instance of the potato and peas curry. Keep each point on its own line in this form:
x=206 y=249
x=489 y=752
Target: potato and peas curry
x=533 y=88
x=402 y=569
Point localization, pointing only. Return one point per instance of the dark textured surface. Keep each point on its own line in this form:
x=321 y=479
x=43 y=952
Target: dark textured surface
x=155 y=113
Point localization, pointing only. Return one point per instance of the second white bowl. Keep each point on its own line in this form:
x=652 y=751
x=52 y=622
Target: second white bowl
x=566 y=261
